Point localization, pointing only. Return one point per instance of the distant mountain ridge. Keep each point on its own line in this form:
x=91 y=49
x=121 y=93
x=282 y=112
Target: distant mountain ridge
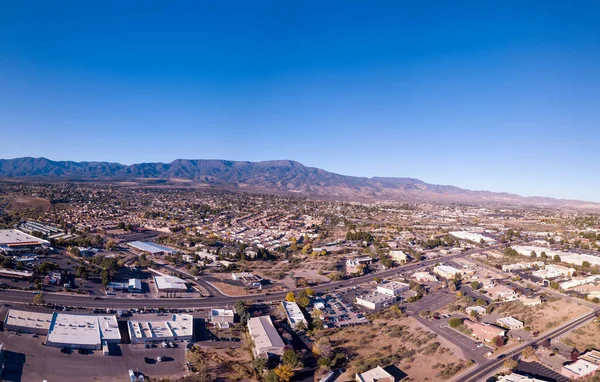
x=269 y=176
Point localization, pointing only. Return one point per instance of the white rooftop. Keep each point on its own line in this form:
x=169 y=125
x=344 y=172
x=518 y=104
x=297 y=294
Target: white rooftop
x=293 y=312
x=83 y=329
x=374 y=375
x=26 y=319
x=222 y=313
x=581 y=367
x=13 y=237
x=264 y=335
x=169 y=282
x=179 y=325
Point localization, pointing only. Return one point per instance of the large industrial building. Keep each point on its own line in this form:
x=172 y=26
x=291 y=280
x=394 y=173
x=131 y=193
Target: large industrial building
x=27 y=322
x=151 y=248
x=266 y=341
x=180 y=327
x=14 y=242
x=82 y=331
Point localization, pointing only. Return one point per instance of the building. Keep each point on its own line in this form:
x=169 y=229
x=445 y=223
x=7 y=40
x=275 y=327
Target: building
x=151 y=248
x=375 y=300
x=357 y=265
x=27 y=322
x=178 y=327
x=377 y=374
x=592 y=356
x=14 y=242
x=170 y=284
x=551 y=271
x=521 y=266
x=578 y=281
x=132 y=286
x=479 y=310
x=9 y=273
x=30 y=227
x=294 y=314
x=472 y=236
x=500 y=292
x=484 y=332
x=423 y=277
x=399 y=257
x=530 y=301
x=520 y=377
x=446 y=271
x=393 y=288
x=579 y=369
x=82 y=331
x=510 y=323
x=221 y=317
x=266 y=341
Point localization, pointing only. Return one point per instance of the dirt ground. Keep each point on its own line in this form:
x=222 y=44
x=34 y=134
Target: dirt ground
x=584 y=337
x=546 y=316
x=28 y=204
x=229 y=364
x=403 y=342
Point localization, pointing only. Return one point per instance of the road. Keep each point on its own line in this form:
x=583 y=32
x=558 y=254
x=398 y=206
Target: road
x=216 y=301
x=490 y=366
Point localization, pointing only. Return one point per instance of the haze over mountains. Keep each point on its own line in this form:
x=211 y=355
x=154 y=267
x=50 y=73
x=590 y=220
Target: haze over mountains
x=282 y=176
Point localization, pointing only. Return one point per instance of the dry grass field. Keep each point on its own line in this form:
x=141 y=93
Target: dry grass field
x=28 y=205
x=584 y=337
x=402 y=342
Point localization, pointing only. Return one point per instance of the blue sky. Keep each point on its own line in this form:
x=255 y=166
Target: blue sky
x=497 y=95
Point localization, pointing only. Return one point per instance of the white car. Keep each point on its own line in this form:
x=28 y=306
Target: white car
x=480 y=345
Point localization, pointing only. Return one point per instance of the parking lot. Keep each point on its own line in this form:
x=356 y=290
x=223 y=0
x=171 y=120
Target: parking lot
x=26 y=359
x=338 y=310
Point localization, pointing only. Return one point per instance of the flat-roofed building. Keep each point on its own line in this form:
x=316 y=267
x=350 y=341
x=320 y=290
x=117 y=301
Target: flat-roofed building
x=82 y=331
x=170 y=284
x=375 y=300
x=13 y=242
x=399 y=257
x=510 y=323
x=423 y=277
x=520 y=377
x=27 y=322
x=294 y=314
x=178 y=327
x=15 y=274
x=377 y=374
x=152 y=248
x=484 y=332
x=394 y=288
x=221 y=317
x=446 y=271
x=579 y=369
x=131 y=286
x=265 y=338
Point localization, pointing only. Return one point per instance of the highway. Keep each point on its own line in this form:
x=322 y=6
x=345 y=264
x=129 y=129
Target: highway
x=14 y=296
x=482 y=371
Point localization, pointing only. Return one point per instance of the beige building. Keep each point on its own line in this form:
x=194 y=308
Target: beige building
x=377 y=374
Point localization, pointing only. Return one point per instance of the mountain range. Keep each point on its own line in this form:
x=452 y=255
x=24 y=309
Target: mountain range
x=280 y=176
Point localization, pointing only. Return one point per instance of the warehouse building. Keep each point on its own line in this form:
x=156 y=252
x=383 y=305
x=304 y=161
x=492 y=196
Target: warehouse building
x=446 y=271
x=14 y=242
x=170 y=285
x=180 y=327
x=27 y=322
x=151 y=248
x=82 y=331
x=294 y=314
x=266 y=341
x=375 y=300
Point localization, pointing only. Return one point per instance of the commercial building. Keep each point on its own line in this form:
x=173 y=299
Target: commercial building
x=399 y=257
x=479 y=310
x=510 y=323
x=520 y=377
x=423 y=277
x=375 y=300
x=551 y=271
x=15 y=274
x=82 y=331
x=446 y=271
x=521 y=266
x=377 y=374
x=393 y=288
x=500 y=292
x=132 y=286
x=579 y=369
x=14 y=242
x=530 y=301
x=170 y=284
x=31 y=227
x=178 y=327
x=484 y=332
x=264 y=336
x=221 y=317
x=472 y=236
x=294 y=314
x=27 y=322
x=578 y=281
x=151 y=248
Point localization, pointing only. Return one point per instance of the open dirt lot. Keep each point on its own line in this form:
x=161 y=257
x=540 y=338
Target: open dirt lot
x=543 y=317
x=401 y=341
x=584 y=337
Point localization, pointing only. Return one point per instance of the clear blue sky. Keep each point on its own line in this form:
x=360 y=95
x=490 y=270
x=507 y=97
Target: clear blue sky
x=494 y=95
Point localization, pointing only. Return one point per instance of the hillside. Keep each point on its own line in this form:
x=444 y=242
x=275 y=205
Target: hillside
x=269 y=176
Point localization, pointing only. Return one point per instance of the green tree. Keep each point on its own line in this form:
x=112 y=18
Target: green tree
x=455 y=322
x=557 y=258
x=290 y=358
x=543 y=255
x=475 y=285
x=510 y=364
x=586 y=264
x=533 y=254
x=38 y=299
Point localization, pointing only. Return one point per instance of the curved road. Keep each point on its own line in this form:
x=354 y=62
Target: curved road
x=8 y=295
